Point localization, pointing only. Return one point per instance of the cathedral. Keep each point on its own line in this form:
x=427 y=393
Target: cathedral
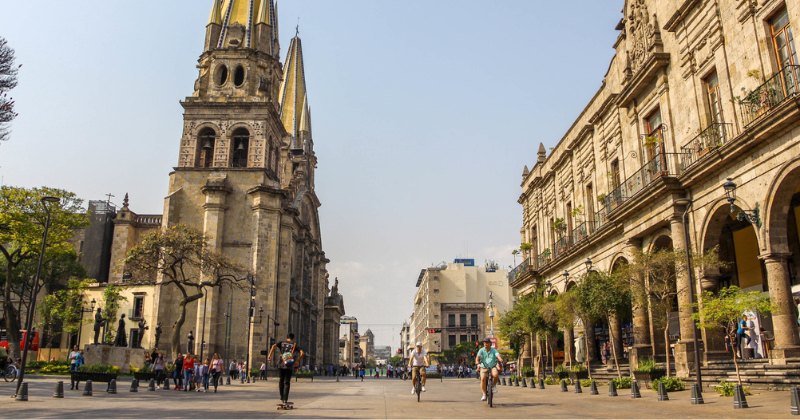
x=245 y=178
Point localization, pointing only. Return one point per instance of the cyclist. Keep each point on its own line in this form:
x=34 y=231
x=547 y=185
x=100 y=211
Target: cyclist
x=417 y=364
x=486 y=360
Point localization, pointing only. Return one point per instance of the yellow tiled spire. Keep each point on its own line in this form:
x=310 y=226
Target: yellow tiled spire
x=247 y=13
x=293 y=98
x=216 y=13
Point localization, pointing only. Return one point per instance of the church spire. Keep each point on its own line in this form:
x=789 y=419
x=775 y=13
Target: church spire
x=293 y=97
x=244 y=24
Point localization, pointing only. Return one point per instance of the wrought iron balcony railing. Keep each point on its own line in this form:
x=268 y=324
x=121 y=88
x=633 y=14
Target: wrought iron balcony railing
x=772 y=93
x=545 y=257
x=583 y=231
x=663 y=164
x=709 y=139
x=512 y=275
x=561 y=246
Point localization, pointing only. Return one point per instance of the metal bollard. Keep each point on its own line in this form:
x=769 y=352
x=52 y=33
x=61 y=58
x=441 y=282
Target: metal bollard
x=23 y=392
x=228 y=381
x=134 y=385
x=166 y=384
x=87 y=389
x=516 y=381
x=739 y=400
x=697 y=395
x=59 y=393
x=152 y=385
x=541 y=383
x=612 y=389
x=662 y=392
x=112 y=386
x=524 y=383
x=564 y=385
x=503 y=381
x=635 y=390
x=593 y=390
x=578 y=389
x=795 y=401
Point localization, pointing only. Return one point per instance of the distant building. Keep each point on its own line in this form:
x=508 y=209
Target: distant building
x=383 y=352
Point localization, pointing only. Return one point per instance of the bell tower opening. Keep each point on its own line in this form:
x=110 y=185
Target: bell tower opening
x=206 y=142
x=241 y=146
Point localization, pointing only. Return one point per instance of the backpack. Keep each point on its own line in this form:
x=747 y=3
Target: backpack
x=288 y=357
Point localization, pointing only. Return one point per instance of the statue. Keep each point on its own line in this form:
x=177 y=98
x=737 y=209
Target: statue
x=142 y=328
x=191 y=343
x=121 y=340
x=158 y=333
x=335 y=288
x=99 y=322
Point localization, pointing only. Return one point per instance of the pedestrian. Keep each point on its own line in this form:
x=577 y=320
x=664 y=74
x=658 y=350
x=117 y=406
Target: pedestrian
x=216 y=370
x=206 y=374
x=74 y=363
x=287 y=348
x=188 y=372
x=198 y=376
x=177 y=374
x=158 y=368
x=263 y=371
x=232 y=370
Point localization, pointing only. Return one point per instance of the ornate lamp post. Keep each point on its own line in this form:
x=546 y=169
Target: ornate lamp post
x=751 y=216
x=688 y=203
x=29 y=321
x=84 y=311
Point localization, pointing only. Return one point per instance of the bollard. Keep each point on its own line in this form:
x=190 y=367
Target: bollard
x=635 y=390
x=87 y=389
x=612 y=389
x=593 y=390
x=564 y=386
x=151 y=386
x=662 y=392
x=503 y=381
x=337 y=378
x=248 y=380
x=166 y=384
x=578 y=389
x=795 y=401
x=524 y=383
x=241 y=379
x=516 y=381
x=739 y=400
x=228 y=381
x=541 y=383
x=59 y=390
x=23 y=392
x=697 y=396
x=112 y=386
x=135 y=385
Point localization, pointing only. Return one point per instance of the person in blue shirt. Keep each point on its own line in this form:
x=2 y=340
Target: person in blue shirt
x=740 y=334
x=486 y=360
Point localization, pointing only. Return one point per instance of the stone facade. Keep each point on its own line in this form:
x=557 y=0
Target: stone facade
x=698 y=91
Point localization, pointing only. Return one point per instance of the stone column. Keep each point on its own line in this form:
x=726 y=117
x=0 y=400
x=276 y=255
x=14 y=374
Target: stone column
x=787 y=343
x=525 y=358
x=591 y=341
x=684 y=349
x=642 y=347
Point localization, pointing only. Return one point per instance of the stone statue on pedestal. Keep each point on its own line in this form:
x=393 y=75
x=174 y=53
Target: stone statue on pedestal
x=158 y=334
x=98 y=325
x=335 y=288
x=190 y=337
x=142 y=328
x=121 y=340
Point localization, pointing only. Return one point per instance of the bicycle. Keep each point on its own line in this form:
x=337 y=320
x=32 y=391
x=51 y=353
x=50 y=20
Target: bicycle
x=10 y=373
x=418 y=385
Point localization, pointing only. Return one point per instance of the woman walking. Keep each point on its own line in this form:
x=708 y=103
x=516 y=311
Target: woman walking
x=158 y=368
x=177 y=375
x=216 y=370
x=188 y=371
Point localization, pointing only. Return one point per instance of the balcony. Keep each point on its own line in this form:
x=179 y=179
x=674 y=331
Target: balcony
x=713 y=137
x=518 y=270
x=769 y=95
x=561 y=246
x=583 y=231
x=545 y=257
x=661 y=165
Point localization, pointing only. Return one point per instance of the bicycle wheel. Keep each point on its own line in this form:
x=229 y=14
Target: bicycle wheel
x=489 y=393
x=419 y=388
x=10 y=374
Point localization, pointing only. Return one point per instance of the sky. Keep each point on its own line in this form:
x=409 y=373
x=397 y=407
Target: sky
x=424 y=114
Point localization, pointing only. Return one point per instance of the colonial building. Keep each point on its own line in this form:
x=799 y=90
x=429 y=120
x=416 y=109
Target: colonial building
x=701 y=94
x=245 y=178
x=452 y=304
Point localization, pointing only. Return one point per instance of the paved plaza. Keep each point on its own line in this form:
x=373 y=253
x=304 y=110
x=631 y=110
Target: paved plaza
x=375 y=398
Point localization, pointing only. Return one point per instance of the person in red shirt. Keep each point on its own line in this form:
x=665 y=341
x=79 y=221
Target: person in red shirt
x=188 y=371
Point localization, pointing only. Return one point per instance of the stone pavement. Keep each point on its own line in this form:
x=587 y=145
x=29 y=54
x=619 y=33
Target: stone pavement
x=381 y=398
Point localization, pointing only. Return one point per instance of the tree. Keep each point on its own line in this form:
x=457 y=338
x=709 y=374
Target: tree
x=8 y=81
x=527 y=317
x=112 y=296
x=23 y=217
x=179 y=255
x=396 y=360
x=603 y=295
x=726 y=308
x=567 y=314
x=62 y=309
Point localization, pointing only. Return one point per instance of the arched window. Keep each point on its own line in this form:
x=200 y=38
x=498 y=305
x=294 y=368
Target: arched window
x=206 y=141
x=241 y=147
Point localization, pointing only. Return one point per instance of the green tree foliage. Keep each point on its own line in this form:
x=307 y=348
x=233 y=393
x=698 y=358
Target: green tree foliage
x=22 y=216
x=62 y=309
x=396 y=360
x=179 y=255
x=8 y=81
x=112 y=297
x=725 y=310
x=529 y=316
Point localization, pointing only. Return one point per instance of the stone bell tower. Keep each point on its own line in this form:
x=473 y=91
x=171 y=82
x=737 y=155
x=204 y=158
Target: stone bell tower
x=245 y=179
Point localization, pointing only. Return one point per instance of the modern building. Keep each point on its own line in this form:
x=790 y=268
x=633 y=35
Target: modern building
x=367 y=344
x=451 y=304
x=699 y=105
x=383 y=352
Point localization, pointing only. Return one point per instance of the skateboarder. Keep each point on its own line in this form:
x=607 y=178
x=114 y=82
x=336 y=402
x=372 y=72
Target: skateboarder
x=287 y=363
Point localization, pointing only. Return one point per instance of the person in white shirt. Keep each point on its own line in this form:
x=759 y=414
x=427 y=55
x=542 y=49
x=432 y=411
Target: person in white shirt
x=417 y=362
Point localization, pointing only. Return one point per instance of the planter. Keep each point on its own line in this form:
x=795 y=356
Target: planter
x=144 y=376
x=304 y=376
x=650 y=376
x=576 y=376
x=93 y=376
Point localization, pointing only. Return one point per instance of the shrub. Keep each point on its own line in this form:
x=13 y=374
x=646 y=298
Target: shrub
x=527 y=370
x=35 y=364
x=670 y=384
x=256 y=372
x=552 y=381
x=647 y=365
x=624 y=383
x=586 y=383
x=55 y=369
x=99 y=368
x=578 y=368
x=145 y=369
x=725 y=389
x=560 y=369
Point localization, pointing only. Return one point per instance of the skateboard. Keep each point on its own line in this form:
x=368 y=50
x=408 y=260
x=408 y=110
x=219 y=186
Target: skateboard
x=287 y=406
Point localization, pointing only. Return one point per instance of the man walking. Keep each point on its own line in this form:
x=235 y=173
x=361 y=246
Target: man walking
x=287 y=364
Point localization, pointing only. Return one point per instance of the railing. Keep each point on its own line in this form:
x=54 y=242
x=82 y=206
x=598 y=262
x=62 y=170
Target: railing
x=154 y=220
x=772 y=93
x=583 y=231
x=561 y=246
x=544 y=258
x=709 y=139
x=663 y=164
x=512 y=275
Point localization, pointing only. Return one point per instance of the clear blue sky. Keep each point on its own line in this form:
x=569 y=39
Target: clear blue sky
x=424 y=114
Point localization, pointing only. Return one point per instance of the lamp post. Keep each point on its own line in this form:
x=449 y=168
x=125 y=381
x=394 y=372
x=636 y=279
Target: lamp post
x=83 y=311
x=270 y=340
x=688 y=203
x=29 y=321
x=203 y=333
x=250 y=314
x=751 y=216
x=490 y=307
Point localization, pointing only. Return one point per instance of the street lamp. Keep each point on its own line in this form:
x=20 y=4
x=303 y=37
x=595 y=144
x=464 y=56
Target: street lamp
x=31 y=308
x=588 y=264
x=83 y=311
x=688 y=203
x=490 y=307
x=270 y=340
x=751 y=216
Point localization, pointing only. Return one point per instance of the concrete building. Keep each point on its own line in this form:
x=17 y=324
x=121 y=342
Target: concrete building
x=383 y=352
x=452 y=299
x=699 y=92
x=367 y=344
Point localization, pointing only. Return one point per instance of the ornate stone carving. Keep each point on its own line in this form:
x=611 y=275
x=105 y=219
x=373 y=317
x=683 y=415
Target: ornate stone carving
x=644 y=34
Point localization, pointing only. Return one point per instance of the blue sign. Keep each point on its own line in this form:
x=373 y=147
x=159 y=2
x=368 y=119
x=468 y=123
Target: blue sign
x=468 y=262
